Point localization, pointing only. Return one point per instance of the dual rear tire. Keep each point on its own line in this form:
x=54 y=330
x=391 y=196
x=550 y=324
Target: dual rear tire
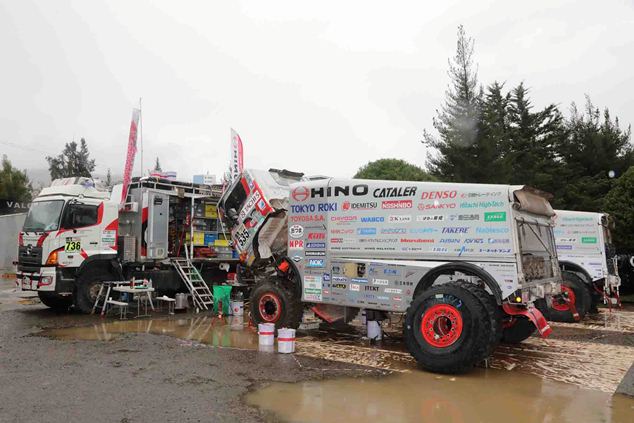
x=577 y=293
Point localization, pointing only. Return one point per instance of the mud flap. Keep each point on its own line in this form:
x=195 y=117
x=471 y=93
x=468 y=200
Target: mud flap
x=532 y=314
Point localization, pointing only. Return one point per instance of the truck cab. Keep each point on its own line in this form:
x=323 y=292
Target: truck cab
x=71 y=222
x=78 y=235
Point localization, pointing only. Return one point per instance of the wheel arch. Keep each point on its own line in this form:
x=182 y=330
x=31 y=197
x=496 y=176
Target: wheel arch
x=295 y=279
x=106 y=262
x=573 y=267
x=467 y=268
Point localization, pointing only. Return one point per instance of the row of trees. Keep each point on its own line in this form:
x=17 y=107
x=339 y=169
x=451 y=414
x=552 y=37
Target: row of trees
x=74 y=160
x=496 y=135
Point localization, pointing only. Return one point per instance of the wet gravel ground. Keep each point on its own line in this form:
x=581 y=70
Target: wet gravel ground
x=134 y=378
x=138 y=377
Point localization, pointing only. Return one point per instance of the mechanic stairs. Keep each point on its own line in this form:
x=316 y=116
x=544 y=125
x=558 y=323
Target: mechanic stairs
x=197 y=286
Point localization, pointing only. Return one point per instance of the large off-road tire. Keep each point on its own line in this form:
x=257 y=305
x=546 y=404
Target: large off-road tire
x=448 y=328
x=494 y=311
x=517 y=329
x=87 y=288
x=55 y=301
x=578 y=293
x=273 y=301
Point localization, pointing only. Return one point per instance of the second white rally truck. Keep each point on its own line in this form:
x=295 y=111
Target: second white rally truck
x=588 y=262
x=464 y=263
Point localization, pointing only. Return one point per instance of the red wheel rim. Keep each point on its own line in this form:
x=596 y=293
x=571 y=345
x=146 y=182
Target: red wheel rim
x=270 y=307
x=562 y=305
x=441 y=325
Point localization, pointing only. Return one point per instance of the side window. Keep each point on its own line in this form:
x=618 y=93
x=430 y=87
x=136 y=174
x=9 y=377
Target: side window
x=79 y=216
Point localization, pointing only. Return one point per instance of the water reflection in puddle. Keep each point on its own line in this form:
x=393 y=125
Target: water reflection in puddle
x=481 y=396
x=230 y=332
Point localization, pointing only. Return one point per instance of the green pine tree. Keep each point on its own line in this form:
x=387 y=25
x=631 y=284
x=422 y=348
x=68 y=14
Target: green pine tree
x=72 y=162
x=14 y=184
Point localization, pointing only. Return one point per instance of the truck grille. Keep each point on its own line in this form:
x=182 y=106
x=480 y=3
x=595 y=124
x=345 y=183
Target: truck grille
x=29 y=257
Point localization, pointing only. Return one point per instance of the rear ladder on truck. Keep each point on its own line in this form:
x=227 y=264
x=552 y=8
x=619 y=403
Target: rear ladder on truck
x=201 y=294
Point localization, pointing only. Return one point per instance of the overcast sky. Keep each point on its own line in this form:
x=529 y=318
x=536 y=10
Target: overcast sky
x=321 y=87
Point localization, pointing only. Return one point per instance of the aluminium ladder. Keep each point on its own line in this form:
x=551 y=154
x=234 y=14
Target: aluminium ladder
x=197 y=286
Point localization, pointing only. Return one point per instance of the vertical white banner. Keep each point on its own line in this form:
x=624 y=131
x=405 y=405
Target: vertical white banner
x=237 y=164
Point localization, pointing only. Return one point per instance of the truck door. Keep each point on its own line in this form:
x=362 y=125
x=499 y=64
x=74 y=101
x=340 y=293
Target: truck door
x=80 y=236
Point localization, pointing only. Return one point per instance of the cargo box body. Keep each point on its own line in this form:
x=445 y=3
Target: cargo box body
x=369 y=243
x=583 y=240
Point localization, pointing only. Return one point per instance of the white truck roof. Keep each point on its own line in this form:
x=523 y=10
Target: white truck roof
x=75 y=187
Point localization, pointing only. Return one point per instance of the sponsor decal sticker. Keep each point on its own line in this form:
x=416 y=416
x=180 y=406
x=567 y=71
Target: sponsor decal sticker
x=316 y=245
x=315 y=253
x=354 y=287
x=295 y=244
x=296 y=259
x=312 y=288
x=438 y=195
x=315 y=263
x=396 y=204
x=380 y=282
x=249 y=205
x=316 y=235
x=588 y=240
x=495 y=216
x=400 y=218
x=300 y=193
x=373 y=219
x=430 y=218
x=366 y=231
x=393 y=291
x=296 y=231
x=455 y=230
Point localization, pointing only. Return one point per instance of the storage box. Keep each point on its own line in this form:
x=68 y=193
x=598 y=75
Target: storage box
x=211 y=211
x=221 y=243
x=210 y=239
x=199 y=238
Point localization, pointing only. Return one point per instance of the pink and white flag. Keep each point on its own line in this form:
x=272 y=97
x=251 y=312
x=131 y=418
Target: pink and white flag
x=129 y=160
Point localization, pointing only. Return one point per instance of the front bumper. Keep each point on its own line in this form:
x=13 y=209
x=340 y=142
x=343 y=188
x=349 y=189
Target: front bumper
x=48 y=279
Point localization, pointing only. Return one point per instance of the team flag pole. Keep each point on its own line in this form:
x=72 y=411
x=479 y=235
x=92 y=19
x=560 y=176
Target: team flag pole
x=132 y=148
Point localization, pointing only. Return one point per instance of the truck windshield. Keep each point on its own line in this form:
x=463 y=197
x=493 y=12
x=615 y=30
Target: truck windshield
x=43 y=216
x=234 y=201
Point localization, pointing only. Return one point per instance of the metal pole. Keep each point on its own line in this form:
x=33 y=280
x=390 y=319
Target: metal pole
x=191 y=230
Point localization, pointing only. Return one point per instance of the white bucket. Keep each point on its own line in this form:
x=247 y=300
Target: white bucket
x=266 y=332
x=374 y=330
x=237 y=308
x=285 y=340
x=266 y=348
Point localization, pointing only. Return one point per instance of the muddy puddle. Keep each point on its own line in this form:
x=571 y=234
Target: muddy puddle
x=481 y=396
x=230 y=332
x=584 y=360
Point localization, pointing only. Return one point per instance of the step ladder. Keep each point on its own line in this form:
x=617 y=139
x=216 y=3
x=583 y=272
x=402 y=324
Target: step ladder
x=197 y=286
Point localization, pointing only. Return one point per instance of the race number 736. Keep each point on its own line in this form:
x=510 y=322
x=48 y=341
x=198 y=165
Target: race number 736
x=72 y=246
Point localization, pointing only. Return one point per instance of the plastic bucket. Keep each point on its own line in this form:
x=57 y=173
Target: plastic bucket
x=237 y=308
x=374 y=330
x=285 y=340
x=266 y=332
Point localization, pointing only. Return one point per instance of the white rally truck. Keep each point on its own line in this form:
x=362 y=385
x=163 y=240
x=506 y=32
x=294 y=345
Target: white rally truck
x=78 y=235
x=588 y=262
x=463 y=262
